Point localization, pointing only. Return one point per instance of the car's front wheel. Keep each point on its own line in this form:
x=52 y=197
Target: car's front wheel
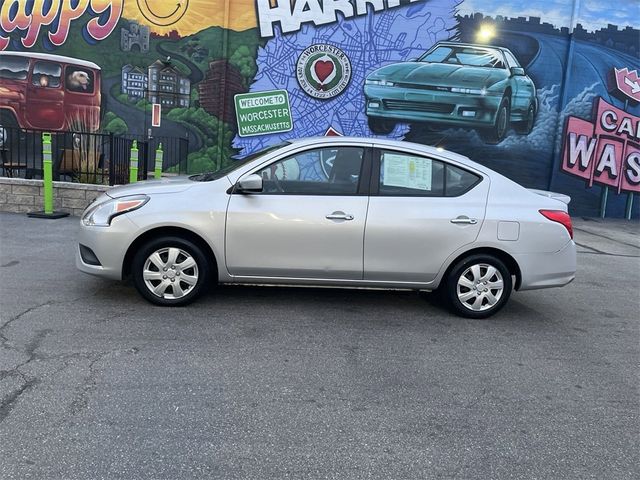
x=170 y=271
x=381 y=126
x=526 y=126
x=498 y=131
x=478 y=286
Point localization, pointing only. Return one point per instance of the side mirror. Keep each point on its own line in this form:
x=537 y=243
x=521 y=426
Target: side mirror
x=251 y=183
x=517 y=71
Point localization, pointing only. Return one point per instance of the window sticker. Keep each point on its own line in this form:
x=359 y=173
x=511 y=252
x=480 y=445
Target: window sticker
x=407 y=171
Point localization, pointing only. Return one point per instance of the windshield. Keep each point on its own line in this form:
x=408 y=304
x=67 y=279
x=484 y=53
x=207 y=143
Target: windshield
x=235 y=164
x=464 y=55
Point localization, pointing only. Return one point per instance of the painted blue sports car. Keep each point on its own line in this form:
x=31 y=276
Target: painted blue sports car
x=454 y=84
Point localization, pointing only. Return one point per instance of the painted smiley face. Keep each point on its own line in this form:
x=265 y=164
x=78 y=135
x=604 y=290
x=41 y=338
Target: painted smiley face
x=158 y=13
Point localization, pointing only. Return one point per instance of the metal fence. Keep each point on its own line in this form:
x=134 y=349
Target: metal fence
x=84 y=157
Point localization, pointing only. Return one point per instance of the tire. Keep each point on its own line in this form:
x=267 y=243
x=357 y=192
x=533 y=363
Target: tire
x=525 y=127
x=177 y=286
x=468 y=285
x=380 y=126
x=498 y=132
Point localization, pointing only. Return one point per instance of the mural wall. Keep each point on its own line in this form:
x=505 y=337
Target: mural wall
x=546 y=93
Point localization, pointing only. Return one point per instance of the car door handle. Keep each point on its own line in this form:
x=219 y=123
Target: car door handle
x=464 y=220
x=339 y=216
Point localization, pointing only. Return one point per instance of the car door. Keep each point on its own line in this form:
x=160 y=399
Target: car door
x=45 y=96
x=308 y=221
x=421 y=210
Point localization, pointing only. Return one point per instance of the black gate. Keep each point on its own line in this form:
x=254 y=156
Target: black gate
x=97 y=158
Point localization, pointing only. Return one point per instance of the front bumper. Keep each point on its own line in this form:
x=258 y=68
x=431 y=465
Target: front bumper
x=108 y=244
x=544 y=270
x=412 y=105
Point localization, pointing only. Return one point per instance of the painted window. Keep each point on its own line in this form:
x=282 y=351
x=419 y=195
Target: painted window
x=79 y=80
x=14 y=68
x=46 y=75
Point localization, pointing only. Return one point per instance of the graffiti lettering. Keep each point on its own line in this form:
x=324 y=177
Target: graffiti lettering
x=606 y=151
x=292 y=14
x=580 y=151
x=30 y=16
x=610 y=122
x=632 y=173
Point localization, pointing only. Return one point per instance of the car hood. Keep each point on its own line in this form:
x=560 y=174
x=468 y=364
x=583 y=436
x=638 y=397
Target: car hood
x=440 y=74
x=165 y=185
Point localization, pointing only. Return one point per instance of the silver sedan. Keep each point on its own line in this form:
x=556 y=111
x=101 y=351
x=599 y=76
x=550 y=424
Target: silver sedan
x=348 y=212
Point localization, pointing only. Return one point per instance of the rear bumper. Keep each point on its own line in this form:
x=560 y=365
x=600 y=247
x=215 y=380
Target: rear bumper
x=545 y=270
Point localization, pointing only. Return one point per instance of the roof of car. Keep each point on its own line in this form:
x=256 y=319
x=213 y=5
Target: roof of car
x=383 y=142
x=462 y=44
x=52 y=58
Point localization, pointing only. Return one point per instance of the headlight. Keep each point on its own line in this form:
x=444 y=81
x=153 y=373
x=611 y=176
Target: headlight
x=384 y=83
x=473 y=91
x=101 y=215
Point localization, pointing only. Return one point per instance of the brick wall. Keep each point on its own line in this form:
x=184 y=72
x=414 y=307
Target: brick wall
x=24 y=196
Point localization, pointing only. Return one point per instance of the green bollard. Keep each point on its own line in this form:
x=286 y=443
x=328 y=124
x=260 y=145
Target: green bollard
x=133 y=168
x=157 y=172
x=47 y=171
x=47 y=167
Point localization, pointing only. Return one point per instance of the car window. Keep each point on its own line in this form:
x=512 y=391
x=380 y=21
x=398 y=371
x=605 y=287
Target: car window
x=46 y=75
x=403 y=174
x=79 y=80
x=14 y=68
x=322 y=171
x=480 y=58
x=468 y=56
x=459 y=181
x=438 y=55
x=511 y=60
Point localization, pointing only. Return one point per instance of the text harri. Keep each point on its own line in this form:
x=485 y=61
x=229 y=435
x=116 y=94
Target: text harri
x=292 y=14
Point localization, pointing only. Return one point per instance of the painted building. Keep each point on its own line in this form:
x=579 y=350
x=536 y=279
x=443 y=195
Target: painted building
x=134 y=36
x=545 y=91
x=221 y=84
x=134 y=82
x=167 y=85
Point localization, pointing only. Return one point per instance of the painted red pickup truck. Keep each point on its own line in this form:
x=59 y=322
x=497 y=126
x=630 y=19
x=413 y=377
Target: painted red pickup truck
x=49 y=92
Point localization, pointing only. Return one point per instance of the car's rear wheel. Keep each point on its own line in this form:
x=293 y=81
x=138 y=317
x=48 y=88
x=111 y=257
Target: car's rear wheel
x=170 y=271
x=498 y=131
x=478 y=286
x=525 y=127
x=381 y=126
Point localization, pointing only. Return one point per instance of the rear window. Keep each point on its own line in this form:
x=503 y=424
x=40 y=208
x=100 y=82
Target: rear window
x=459 y=181
x=14 y=68
x=406 y=175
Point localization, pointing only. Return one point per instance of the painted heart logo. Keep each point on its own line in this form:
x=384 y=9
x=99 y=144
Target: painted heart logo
x=324 y=69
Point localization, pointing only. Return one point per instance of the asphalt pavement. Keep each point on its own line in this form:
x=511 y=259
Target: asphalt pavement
x=261 y=383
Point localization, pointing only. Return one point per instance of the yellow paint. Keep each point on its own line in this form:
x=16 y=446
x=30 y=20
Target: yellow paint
x=486 y=33
x=191 y=16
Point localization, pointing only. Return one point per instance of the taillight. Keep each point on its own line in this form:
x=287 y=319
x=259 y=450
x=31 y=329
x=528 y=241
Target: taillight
x=560 y=217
